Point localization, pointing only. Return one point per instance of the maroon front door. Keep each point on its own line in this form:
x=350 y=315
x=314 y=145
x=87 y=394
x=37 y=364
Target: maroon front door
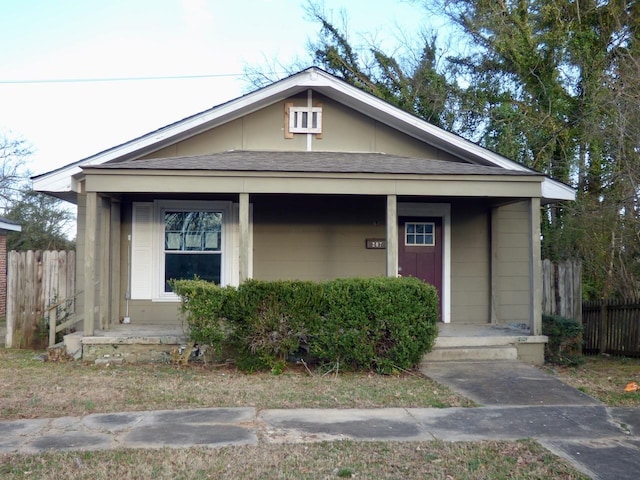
x=420 y=250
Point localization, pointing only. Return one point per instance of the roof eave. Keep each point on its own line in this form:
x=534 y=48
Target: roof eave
x=554 y=191
x=10 y=227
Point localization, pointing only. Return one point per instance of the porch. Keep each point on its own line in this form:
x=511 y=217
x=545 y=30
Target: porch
x=155 y=343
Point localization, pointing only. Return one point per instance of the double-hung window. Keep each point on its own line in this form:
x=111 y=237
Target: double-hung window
x=192 y=245
x=179 y=239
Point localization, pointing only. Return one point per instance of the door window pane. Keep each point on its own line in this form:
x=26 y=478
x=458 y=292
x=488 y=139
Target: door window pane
x=419 y=234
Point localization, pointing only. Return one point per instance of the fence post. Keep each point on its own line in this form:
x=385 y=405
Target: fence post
x=603 y=327
x=53 y=319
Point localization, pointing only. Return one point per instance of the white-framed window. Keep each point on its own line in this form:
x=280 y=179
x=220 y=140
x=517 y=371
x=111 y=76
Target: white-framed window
x=192 y=245
x=420 y=234
x=174 y=239
x=305 y=119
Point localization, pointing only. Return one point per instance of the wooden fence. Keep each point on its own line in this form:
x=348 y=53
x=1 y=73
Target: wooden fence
x=562 y=288
x=35 y=280
x=612 y=327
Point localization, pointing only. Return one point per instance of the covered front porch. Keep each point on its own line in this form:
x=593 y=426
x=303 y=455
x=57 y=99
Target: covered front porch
x=481 y=224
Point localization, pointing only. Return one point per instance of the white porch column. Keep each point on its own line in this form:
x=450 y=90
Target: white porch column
x=244 y=243
x=392 y=236
x=535 y=267
x=91 y=225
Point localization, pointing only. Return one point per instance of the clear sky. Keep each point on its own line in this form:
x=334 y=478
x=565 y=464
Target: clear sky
x=44 y=40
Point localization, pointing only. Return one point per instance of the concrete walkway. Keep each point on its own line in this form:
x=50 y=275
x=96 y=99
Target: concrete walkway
x=601 y=442
x=566 y=421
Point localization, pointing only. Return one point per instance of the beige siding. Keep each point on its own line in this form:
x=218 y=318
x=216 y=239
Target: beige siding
x=512 y=263
x=317 y=239
x=470 y=272
x=147 y=312
x=343 y=130
x=390 y=141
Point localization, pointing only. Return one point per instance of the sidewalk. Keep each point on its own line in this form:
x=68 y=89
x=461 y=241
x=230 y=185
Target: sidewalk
x=610 y=437
x=519 y=402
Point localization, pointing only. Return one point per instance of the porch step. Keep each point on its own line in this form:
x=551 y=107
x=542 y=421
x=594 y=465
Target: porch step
x=493 y=341
x=472 y=353
x=127 y=343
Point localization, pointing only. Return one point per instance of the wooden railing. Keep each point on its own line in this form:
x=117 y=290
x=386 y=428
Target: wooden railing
x=612 y=327
x=52 y=311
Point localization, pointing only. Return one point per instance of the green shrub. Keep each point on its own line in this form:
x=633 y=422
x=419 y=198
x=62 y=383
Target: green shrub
x=565 y=340
x=381 y=323
x=270 y=318
x=203 y=305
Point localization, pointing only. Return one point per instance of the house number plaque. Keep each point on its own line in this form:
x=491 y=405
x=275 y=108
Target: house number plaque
x=376 y=243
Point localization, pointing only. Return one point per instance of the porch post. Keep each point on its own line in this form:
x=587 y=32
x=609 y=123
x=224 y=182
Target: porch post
x=535 y=267
x=493 y=267
x=91 y=224
x=243 y=263
x=104 y=283
x=392 y=236
x=114 y=269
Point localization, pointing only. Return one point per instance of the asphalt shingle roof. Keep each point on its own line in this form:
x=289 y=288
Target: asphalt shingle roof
x=312 y=162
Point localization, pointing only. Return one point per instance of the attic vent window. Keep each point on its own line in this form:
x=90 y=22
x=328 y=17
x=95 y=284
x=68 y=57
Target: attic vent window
x=305 y=120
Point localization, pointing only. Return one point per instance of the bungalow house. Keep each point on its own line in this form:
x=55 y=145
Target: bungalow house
x=308 y=178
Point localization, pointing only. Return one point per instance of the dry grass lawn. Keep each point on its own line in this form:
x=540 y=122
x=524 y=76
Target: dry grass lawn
x=31 y=389
x=604 y=378
x=345 y=459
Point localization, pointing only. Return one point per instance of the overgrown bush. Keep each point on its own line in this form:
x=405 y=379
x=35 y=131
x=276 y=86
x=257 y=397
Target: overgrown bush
x=203 y=305
x=271 y=319
x=565 y=340
x=381 y=323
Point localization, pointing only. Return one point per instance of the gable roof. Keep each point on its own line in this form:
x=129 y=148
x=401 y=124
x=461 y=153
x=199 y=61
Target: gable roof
x=61 y=182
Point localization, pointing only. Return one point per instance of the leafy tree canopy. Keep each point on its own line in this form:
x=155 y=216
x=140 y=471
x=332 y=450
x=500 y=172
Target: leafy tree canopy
x=14 y=174
x=553 y=84
x=45 y=223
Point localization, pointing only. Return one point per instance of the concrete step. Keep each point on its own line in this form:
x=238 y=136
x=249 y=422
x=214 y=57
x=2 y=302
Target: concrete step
x=485 y=341
x=472 y=353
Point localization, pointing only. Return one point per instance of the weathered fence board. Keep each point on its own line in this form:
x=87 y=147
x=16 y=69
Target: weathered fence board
x=35 y=280
x=612 y=327
x=562 y=288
